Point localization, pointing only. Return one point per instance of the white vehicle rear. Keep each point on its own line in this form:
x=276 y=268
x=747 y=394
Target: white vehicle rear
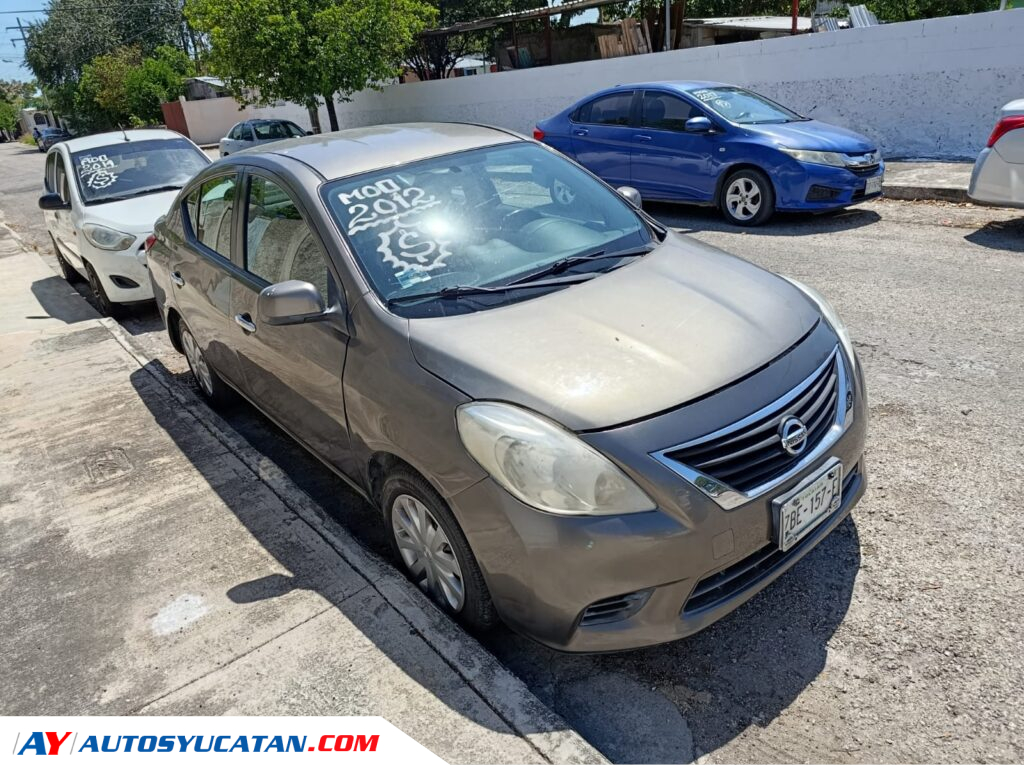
x=998 y=176
x=102 y=195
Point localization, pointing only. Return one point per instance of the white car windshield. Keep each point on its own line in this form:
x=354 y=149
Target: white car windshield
x=129 y=169
x=481 y=221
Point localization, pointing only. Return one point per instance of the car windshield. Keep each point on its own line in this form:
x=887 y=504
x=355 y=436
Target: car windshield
x=481 y=219
x=277 y=130
x=741 y=106
x=127 y=169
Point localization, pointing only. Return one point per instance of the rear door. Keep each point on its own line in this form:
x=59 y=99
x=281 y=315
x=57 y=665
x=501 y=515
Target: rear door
x=292 y=372
x=601 y=136
x=667 y=161
x=201 y=270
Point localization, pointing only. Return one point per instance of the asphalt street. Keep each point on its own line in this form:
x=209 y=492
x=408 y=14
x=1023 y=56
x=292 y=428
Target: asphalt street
x=900 y=638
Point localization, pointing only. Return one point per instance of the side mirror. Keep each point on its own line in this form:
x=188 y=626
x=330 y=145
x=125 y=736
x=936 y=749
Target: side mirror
x=632 y=195
x=290 y=302
x=700 y=125
x=53 y=202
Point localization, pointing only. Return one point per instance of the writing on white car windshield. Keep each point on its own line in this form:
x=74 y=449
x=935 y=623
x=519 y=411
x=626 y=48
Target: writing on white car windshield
x=129 y=169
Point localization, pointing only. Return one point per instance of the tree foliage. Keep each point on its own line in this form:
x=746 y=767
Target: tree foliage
x=306 y=50
x=435 y=56
x=14 y=96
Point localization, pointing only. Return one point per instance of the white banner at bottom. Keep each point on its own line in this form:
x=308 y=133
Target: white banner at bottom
x=211 y=742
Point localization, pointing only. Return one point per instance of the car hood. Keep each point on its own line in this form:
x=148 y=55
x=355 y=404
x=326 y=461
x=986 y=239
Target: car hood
x=134 y=215
x=681 y=322
x=814 y=135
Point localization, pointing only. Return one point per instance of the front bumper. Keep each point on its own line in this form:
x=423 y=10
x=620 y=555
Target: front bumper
x=544 y=571
x=119 y=271
x=813 y=187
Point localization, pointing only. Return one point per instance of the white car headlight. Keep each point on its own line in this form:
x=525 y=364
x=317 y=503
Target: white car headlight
x=543 y=464
x=106 y=238
x=831 y=316
x=816 y=156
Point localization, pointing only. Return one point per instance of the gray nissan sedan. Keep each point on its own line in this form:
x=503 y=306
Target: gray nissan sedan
x=570 y=418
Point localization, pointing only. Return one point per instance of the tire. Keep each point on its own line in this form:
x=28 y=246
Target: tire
x=107 y=308
x=410 y=507
x=67 y=272
x=208 y=382
x=748 y=198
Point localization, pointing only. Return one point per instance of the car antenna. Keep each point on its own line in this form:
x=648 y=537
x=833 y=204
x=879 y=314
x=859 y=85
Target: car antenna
x=124 y=133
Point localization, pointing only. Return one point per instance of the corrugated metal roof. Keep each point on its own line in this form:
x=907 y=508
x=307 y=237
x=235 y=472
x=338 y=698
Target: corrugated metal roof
x=762 y=23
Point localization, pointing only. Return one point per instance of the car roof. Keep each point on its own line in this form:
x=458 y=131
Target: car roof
x=356 y=151
x=118 y=137
x=674 y=85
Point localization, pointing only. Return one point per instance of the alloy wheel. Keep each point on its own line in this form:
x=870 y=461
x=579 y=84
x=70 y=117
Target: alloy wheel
x=427 y=552
x=196 y=361
x=743 y=198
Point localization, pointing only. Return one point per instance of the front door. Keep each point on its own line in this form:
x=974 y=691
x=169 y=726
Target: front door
x=668 y=162
x=61 y=223
x=601 y=136
x=293 y=373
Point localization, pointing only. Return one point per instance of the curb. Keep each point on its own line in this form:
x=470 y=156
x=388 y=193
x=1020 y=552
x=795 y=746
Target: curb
x=498 y=687
x=924 y=193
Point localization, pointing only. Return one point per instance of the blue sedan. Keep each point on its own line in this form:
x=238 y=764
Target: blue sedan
x=715 y=145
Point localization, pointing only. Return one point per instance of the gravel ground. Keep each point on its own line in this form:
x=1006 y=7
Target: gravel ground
x=899 y=639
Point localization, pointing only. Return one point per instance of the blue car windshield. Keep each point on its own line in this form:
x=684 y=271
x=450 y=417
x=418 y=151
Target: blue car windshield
x=737 y=105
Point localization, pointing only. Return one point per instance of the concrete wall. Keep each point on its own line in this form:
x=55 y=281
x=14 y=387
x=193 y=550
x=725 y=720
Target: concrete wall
x=209 y=120
x=926 y=88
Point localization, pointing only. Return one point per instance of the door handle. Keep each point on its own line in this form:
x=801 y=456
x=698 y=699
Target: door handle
x=581 y=132
x=177 y=279
x=244 y=320
x=642 y=137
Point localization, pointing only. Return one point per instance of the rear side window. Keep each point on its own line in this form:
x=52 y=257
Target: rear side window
x=279 y=244
x=667 y=112
x=611 y=110
x=209 y=212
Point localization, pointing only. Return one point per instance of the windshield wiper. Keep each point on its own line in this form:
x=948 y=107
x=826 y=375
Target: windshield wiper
x=133 y=194
x=454 y=292
x=562 y=265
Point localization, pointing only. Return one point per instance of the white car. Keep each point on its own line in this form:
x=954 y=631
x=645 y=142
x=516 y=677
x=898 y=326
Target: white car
x=250 y=133
x=998 y=176
x=102 y=195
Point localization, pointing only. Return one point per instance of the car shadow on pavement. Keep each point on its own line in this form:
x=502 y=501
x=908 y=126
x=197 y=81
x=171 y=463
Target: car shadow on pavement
x=694 y=219
x=677 y=702
x=1000 y=234
x=60 y=300
x=308 y=562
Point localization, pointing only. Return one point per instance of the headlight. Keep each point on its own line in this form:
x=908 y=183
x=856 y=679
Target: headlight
x=543 y=464
x=830 y=314
x=103 y=237
x=816 y=156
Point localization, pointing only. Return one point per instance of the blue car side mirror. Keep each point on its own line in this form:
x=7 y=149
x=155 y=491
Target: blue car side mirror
x=700 y=125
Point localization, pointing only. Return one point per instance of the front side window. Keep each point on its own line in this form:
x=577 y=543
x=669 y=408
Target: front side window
x=741 y=106
x=279 y=244
x=51 y=168
x=483 y=217
x=130 y=169
x=209 y=211
x=60 y=179
x=667 y=112
x=611 y=110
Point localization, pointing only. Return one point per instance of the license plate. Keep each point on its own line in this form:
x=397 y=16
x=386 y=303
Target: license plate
x=818 y=496
x=873 y=185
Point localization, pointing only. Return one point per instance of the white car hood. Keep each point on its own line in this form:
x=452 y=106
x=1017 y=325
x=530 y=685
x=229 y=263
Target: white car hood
x=133 y=215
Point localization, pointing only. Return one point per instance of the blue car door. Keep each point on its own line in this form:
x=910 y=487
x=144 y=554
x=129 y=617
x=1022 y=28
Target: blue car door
x=601 y=136
x=667 y=161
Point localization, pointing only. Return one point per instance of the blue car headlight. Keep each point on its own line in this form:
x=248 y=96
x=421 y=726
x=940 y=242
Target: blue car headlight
x=816 y=156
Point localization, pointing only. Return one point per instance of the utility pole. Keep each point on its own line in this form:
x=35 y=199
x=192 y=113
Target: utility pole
x=668 y=25
x=20 y=29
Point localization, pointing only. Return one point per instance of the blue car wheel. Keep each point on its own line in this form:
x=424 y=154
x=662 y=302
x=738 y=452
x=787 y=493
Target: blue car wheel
x=748 y=198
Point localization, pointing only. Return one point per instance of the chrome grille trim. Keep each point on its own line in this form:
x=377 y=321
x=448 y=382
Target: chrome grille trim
x=729 y=497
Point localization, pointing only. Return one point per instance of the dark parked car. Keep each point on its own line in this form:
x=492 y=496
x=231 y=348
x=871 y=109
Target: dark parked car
x=564 y=414
x=48 y=137
x=715 y=145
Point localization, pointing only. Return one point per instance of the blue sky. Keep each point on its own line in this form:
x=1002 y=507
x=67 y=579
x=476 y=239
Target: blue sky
x=11 y=54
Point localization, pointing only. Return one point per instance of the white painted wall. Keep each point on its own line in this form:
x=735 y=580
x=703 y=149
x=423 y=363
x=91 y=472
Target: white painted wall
x=926 y=88
x=208 y=120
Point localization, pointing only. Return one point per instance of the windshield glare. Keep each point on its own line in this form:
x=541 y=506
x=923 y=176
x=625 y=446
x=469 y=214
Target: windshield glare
x=738 y=105
x=477 y=218
x=132 y=168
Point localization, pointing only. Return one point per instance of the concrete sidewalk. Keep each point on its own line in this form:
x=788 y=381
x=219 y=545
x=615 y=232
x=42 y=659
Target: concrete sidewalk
x=927 y=180
x=151 y=562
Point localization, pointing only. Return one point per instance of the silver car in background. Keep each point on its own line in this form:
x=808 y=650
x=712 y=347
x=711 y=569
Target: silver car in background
x=566 y=416
x=250 y=133
x=998 y=176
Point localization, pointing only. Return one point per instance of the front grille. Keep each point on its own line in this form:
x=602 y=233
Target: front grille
x=752 y=454
x=864 y=171
x=735 y=578
x=616 y=608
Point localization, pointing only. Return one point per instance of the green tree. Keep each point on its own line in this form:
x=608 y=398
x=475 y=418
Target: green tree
x=306 y=51
x=158 y=79
x=8 y=116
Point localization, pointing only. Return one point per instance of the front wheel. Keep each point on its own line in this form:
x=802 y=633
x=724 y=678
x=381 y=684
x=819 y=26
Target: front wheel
x=432 y=550
x=748 y=198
